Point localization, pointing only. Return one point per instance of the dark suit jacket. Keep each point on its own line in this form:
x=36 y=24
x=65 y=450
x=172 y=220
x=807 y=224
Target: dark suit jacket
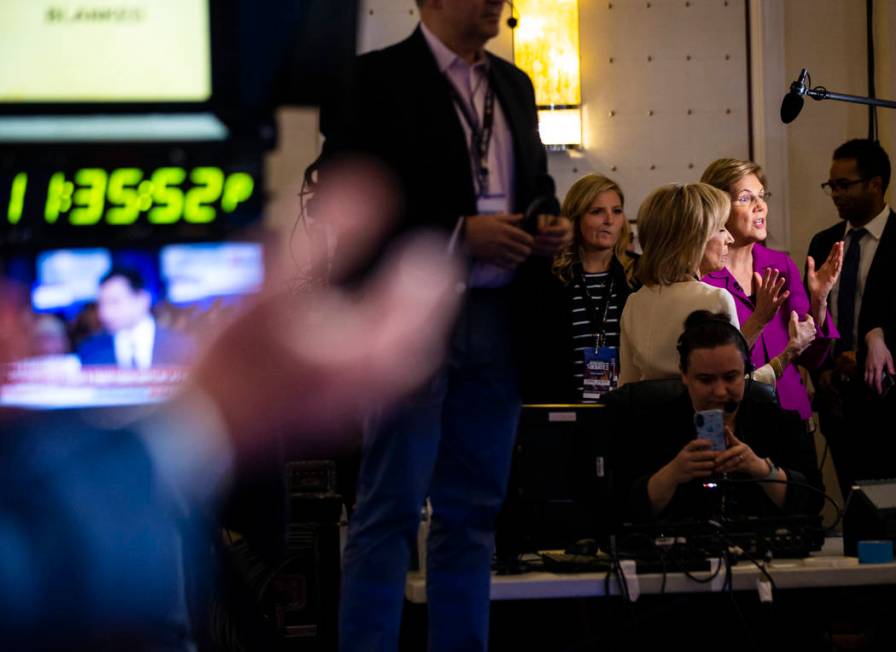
x=878 y=307
x=400 y=111
x=168 y=348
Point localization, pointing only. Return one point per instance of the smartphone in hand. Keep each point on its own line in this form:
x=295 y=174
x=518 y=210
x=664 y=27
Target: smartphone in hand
x=543 y=205
x=886 y=382
x=710 y=425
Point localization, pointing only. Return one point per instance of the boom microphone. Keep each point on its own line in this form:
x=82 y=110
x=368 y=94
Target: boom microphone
x=792 y=103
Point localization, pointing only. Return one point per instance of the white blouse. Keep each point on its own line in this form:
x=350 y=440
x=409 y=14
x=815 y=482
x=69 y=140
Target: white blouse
x=653 y=320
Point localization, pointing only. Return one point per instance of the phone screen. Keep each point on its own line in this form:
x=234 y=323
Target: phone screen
x=710 y=425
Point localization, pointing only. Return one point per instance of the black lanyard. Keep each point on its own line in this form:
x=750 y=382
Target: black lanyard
x=597 y=314
x=480 y=135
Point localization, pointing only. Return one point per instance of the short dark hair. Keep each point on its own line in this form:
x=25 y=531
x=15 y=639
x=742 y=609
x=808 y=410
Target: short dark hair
x=870 y=157
x=132 y=276
x=708 y=330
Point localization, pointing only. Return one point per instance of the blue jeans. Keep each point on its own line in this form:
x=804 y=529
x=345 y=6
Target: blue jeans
x=452 y=442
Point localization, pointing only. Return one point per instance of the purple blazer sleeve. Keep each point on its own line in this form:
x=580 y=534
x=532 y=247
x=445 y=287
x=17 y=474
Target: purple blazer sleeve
x=773 y=338
x=798 y=300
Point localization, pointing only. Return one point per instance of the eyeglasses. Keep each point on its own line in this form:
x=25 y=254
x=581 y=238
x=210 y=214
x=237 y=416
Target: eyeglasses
x=839 y=184
x=747 y=198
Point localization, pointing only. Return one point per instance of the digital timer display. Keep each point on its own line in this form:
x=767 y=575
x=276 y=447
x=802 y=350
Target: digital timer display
x=121 y=196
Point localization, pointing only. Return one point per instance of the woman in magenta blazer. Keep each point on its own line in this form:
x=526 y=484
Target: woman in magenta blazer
x=750 y=262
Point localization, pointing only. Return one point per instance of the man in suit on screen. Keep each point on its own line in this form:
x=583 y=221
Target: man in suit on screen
x=131 y=338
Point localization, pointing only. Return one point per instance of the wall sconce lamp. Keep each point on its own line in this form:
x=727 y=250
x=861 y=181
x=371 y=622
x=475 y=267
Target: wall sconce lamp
x=546 y=46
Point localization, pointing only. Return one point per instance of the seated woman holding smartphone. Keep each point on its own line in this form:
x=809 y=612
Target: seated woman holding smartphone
x=662 y=462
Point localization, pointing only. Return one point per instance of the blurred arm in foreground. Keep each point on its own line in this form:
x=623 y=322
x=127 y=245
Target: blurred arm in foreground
x=91 y=517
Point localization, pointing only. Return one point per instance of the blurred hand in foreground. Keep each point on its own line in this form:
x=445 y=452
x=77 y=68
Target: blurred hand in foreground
x=307 y=363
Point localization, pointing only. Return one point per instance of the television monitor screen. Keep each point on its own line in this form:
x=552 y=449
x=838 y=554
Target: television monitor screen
x=199 y=272
x=69 y=51
x=227 y=60
x=68 y=277
x=114 y=327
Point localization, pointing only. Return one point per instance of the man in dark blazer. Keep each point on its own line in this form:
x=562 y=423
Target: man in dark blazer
x=852 y=396
x=458 y=129
x=132 y=338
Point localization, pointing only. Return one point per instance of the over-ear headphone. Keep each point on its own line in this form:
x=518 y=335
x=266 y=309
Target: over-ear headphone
x=512 y=22
x=684 y=347
x=741 y=341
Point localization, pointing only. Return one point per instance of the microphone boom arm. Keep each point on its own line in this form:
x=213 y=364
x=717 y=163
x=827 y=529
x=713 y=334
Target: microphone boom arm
x=821 y=93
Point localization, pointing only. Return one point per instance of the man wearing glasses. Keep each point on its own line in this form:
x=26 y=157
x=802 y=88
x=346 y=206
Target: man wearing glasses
x=854 y=395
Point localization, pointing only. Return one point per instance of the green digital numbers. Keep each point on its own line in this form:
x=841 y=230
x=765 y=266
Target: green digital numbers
x=208 y=182
x=124 y=196
x=144 y=195
x=59 y=197
x=89 y=200
x=237 y=189
x=166 y=193
x=17 y=198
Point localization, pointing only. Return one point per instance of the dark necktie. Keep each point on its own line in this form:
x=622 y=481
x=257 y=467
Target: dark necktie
x=846 y=296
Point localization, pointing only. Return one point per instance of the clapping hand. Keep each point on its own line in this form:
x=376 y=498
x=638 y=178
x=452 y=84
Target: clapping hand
x=801 y=333
x=309 y=365
x=770 y=294
x=821 y=281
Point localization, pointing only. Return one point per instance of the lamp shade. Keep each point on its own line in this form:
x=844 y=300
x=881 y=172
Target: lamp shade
x=546 y=46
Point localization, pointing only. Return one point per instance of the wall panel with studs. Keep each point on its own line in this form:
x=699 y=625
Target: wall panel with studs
x=383 y=22
x=665 y=91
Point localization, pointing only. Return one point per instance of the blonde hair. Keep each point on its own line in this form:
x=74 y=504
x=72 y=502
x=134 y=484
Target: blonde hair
x=674 y=224
x=576 y=205
x=725 y=172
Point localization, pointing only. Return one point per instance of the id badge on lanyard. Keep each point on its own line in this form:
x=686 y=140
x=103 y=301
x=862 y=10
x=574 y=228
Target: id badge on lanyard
x=491 y=204
x=601 y=374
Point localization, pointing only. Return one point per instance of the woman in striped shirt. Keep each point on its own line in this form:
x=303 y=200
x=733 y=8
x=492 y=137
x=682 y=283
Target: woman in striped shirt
x=579 y=302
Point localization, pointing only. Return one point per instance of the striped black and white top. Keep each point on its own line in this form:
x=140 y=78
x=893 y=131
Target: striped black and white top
x=584 y=318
